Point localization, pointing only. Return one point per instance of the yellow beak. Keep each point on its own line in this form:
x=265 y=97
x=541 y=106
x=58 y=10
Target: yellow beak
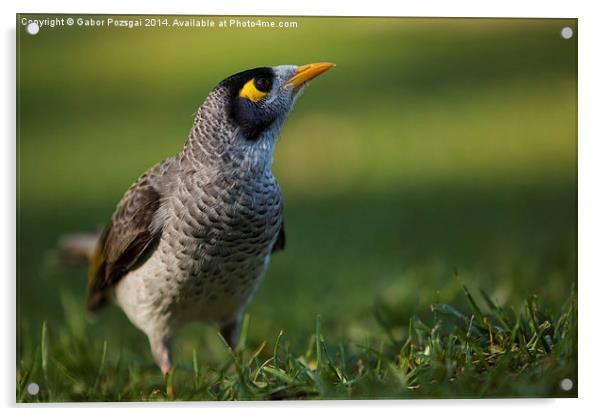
x=306 y=73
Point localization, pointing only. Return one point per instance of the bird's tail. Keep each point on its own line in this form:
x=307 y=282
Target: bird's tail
x=78 y=249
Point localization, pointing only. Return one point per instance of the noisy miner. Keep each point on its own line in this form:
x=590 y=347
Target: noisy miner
x=192 y=238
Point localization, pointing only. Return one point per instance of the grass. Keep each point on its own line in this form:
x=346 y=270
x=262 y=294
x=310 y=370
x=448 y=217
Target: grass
x=437 y=151
x=478 y=347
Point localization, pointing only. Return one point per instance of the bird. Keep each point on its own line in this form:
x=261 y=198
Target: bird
x=192 y=238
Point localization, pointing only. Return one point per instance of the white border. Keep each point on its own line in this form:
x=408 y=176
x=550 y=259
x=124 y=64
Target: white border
x=590 y=202
x=508 y=8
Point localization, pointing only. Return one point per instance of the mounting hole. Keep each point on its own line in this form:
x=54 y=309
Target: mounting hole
x=566 y=384
x=32 y=28
x=566 y=32
x=33 y=389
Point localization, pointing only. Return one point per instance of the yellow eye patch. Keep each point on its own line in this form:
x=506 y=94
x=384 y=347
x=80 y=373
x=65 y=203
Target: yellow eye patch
x=250 y=92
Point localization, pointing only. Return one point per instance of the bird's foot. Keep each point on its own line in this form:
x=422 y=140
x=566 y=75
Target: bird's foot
x=170 y=386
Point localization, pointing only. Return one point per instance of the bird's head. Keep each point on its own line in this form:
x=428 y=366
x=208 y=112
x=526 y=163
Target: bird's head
x=244 y=112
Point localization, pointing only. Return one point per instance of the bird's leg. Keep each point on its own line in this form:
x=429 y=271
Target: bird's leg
x=230 y=331
x=161 y=348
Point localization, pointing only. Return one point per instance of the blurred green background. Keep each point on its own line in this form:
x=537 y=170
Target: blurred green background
x=437 y=151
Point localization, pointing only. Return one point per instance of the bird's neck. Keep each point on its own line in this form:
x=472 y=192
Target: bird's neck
x=218 y=147
x=216 y=144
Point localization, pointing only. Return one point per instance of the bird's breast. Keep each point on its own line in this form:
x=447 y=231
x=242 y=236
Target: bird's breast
x=218 y=242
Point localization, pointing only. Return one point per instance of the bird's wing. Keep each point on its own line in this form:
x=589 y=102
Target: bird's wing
x=280 y=241
x=131 y=232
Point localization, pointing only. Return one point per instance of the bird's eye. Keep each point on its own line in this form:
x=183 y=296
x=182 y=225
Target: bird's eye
x=255 y=89
x=263 y=84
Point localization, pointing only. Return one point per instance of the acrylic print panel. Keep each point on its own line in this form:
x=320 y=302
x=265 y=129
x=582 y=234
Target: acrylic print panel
x=420 y=243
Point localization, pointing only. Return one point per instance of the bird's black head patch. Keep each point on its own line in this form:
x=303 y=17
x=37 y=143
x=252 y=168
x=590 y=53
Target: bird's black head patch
x=247 y=92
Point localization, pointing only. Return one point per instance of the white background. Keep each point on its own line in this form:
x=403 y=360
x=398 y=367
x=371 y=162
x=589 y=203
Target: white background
x=590 y=204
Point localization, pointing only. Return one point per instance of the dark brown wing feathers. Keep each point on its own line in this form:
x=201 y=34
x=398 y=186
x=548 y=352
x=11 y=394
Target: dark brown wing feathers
x=124 y=240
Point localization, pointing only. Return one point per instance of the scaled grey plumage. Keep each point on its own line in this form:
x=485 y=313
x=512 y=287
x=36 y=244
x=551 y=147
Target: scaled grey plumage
x=192 y=238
